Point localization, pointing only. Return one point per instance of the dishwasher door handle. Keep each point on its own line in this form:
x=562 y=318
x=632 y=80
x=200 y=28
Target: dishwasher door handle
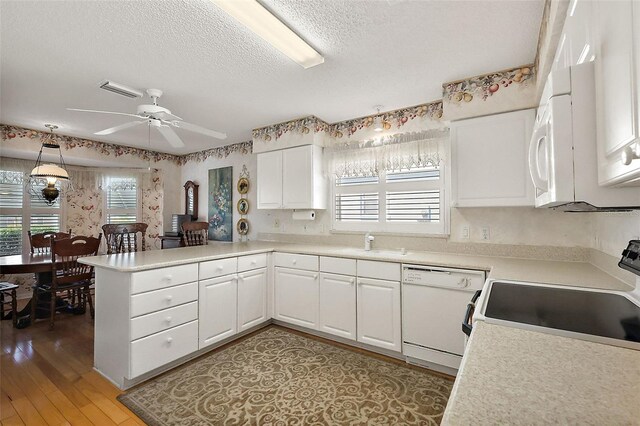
x=467 y=327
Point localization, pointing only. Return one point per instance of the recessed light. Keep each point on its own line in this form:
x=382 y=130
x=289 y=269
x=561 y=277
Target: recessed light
x=258 y=19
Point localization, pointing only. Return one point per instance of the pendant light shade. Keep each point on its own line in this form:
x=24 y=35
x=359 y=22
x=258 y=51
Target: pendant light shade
x=46 y=180
x=378 y=125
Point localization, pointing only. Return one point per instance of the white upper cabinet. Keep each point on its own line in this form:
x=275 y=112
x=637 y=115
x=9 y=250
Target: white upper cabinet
x=617 y=67
x=292 y=179
x=489 y=160
x=270 y=180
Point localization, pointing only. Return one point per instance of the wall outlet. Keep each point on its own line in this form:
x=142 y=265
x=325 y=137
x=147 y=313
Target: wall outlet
x=486 y=233
x=465 y=232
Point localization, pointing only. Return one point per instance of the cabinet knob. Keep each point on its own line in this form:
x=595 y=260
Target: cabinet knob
x=352 y=280
x=219 y=268
x=294 y=261
x=315 y=277
x=253 y=262
x=168 y=277
x=168 y=319
x=169 y=298
x=169 y=340
x=630 y=153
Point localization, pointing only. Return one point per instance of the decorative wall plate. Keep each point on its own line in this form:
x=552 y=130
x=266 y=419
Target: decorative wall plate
x=243 y=206
x=243 y=185
x=242 y=227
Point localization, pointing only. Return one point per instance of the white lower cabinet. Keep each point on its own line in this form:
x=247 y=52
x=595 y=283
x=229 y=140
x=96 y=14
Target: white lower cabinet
x=379 y=313
x=338 y=305
x=297 y=297
x=218 y=309
x=252 y=298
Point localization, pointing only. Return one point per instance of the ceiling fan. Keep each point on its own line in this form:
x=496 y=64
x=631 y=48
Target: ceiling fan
x=158 y=117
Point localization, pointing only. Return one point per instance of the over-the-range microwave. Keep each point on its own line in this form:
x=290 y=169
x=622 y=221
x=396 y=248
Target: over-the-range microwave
x=562 y=152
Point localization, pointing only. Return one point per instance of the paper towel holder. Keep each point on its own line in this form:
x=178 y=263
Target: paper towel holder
x=303 y=215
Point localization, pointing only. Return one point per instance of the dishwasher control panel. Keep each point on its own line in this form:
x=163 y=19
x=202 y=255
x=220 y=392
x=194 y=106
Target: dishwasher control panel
x=460 y=279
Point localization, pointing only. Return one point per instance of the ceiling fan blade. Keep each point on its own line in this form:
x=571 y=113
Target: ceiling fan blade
x=118 y=128
x=105 y=112
x=162 y=115
x=198 y=129
x=171 y=136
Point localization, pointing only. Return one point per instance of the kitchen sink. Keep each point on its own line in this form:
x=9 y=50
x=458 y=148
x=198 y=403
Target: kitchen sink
x=609 y=317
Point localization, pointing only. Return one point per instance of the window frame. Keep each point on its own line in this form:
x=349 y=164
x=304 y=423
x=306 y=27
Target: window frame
x=439 y=229
x=109 y=211
x=27 y=210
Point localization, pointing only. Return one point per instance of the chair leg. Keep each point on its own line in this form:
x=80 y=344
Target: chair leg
x=34 y=304
x=88 y=296
x=14 y=308
x=52 y=307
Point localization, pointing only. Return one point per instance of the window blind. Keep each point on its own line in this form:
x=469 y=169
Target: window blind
x=413 y=206
x=357 y=207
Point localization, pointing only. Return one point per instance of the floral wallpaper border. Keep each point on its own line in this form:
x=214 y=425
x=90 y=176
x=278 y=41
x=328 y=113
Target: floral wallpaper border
x=485 y=86
x=301 y=125
x=108 y=149
x=395 y=118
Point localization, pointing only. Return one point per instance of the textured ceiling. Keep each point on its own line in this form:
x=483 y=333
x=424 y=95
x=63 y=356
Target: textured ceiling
x=218 y=74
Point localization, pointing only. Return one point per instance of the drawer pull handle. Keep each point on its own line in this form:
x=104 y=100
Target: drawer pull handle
x=169 y=340
x=169 y=298
x=169 y=319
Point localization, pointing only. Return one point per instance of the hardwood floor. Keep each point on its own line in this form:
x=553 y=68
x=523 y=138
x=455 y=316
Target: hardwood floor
x=47 y=377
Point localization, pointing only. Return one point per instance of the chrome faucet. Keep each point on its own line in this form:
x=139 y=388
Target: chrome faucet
x=367 y=241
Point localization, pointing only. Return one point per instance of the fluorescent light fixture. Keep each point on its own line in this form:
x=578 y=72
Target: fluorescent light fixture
x=254 y=16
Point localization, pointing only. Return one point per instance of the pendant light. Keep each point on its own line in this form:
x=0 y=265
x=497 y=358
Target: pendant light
x=44 y=177
x=378 y=124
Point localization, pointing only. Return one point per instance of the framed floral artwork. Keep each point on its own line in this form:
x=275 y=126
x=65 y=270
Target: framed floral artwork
x=220 y=204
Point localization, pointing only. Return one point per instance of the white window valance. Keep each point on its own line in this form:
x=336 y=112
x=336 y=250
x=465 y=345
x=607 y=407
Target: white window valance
x=390 y=153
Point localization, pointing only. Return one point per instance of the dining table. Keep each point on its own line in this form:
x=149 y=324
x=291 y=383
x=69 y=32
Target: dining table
x=41 y=266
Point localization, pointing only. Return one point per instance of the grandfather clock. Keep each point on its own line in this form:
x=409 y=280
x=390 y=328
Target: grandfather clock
x=191 y=199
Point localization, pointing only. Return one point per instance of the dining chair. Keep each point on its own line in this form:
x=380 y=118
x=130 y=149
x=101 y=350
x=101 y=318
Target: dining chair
x=40 y=243
x=68 y=274
x=123 y=238
x=195 y=234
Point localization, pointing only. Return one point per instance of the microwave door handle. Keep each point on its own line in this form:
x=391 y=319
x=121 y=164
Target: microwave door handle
x=539 y=135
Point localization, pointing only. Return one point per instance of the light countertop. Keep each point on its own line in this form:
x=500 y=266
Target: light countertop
x=515 y=376
x=544 y=271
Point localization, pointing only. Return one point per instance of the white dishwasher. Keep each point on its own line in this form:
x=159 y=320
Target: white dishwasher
x=433 y=300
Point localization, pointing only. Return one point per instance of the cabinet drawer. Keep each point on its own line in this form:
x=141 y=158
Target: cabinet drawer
x=218 y=268
x=162 y=348
x=162 y=299
x=155 y=279
x=163 y=320
x=379 y=270
x=337 y=265
x=296 y=261
x=255 y=261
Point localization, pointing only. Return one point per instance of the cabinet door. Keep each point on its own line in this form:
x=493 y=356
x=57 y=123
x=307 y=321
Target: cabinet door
x=338 y=305
x=218 y=303
x=269 y=180
x=252 y=298
x=616 y=88
x=379 y=313
x=296 y=297
x=297 y=172
x=489 y=160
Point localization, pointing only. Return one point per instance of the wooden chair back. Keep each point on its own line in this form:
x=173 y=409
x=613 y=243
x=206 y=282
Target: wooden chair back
x=123 y=238
x=41 y=243
x=195 y=233
x=65 y=254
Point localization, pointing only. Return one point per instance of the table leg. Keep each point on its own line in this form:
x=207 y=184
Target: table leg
x=42 y=309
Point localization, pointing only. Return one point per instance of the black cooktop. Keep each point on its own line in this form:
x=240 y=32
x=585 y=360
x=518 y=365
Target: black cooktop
x=600 y=314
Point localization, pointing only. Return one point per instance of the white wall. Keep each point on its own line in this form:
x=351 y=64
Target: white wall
x=529 y=226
